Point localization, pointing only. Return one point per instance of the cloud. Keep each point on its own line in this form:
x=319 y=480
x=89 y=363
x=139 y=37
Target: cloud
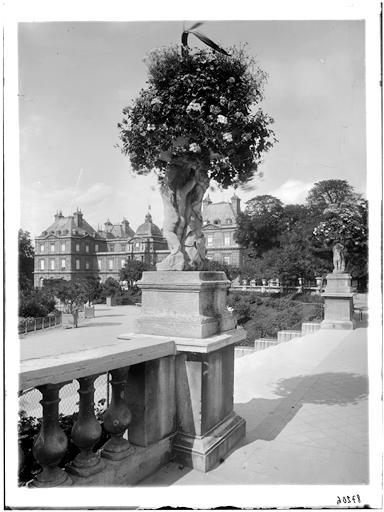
x=292 y=191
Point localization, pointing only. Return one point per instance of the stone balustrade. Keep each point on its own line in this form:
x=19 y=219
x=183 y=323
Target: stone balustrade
x=120 y=461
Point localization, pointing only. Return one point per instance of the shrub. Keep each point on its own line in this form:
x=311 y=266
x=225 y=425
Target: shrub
x=36 y=303
x=265 y=316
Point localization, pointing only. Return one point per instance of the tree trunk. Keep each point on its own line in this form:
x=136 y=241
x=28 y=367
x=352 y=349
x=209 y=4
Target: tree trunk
x=182 y=191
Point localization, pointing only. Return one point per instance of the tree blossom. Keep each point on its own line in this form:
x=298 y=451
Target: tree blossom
x=195 y=148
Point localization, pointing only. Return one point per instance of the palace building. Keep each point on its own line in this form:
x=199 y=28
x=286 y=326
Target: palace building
x=71 y=248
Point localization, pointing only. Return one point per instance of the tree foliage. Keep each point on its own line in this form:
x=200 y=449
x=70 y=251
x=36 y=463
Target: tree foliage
x=199 y=104
x=295 y=241
x=26 y=260
x=36 y=303
x=328 y=193
x=132 y=272
x=72 y=294
x=110 y=288
x=230 y=271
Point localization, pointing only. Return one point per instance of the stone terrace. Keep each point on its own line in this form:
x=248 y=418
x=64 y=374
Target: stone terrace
x=305 y=403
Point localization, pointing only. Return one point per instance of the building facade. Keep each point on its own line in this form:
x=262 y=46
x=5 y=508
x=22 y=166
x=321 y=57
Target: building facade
x=70 y=248
x=219 y=227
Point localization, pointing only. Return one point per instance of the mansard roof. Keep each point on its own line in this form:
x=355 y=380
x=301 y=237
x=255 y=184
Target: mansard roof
x=67 y=226
x=219 y=211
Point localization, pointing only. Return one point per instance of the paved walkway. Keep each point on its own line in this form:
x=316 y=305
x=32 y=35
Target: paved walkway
x=306 y=407
x=91 y=333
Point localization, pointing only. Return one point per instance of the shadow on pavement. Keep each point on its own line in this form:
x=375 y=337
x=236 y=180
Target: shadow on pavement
x=100 y=324
x=266 y=418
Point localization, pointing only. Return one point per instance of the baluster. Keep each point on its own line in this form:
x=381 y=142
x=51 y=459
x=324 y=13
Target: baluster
x=51 y=443
x=117 y=418
x=86 y=431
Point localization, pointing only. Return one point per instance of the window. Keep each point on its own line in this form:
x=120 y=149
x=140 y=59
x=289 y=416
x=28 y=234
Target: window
x=99 y=263
x=209 y=240
x=63 y=246
x=227 y=239
x=228 y=221
x=77 y=247
x=137 y=245
x=42 y=248
x=227 y=260
x=87 y=248
x=86 y=264
x=42 y=265
x=96 y=247
x=52 y=264
x=111 y=248
x=217 y=221
x=127 y=247
x=63 y=264
x=110 y=264
x=77 y=264
x=122 y=263
x=52 y=246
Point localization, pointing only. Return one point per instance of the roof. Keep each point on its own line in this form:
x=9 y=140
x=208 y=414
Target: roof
x=148 y=228
x=219 y=211
x=67 y=226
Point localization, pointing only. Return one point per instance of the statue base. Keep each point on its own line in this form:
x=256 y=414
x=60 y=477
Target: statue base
x=184 y=304
x=338 y=302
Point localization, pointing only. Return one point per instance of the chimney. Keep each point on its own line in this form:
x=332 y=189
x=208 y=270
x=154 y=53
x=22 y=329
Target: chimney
x=108 y=226
x=78 y=215
x=58 y=215
x=235 y=200
x=125 y=226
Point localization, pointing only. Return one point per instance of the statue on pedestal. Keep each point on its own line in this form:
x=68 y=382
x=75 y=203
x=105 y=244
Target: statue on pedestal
x=338 y=258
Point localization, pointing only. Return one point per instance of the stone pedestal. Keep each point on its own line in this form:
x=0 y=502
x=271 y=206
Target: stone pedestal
x=190 y=309
x=185 y=304
x=338 y=302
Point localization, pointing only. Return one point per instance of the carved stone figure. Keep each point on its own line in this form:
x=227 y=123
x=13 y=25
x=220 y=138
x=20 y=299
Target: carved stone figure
x=182 y=190
x=338 y=258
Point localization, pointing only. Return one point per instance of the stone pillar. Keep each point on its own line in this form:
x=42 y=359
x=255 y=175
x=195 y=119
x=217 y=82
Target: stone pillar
x=190 y=308
x=338 y=302
x=150 y=393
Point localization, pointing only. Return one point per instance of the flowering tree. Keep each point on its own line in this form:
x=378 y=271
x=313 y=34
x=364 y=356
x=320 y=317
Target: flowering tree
x=196 y=120
x=347 y=225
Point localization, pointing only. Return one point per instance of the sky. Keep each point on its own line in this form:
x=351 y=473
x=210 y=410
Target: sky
x=75 y=79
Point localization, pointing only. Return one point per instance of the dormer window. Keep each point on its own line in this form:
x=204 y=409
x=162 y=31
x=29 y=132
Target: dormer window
x=228 y=221
x=217 y=221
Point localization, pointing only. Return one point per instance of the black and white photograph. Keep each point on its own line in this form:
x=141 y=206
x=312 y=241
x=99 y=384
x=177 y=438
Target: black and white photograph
x=192 y=241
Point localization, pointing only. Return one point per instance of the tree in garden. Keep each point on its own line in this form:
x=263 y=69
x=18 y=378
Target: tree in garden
x=72 y=294
x=259 y=226
x=196 y=120
x=331 y=193
x=26 y=260
x=230 y=270
x=265 y=204
x=132 y=272
x=92 y=288
x=348 y=225
x=111 y=287
x=36 y=303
